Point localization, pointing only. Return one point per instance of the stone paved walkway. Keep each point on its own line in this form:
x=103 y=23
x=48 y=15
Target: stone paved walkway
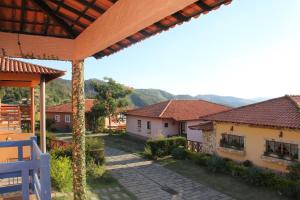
x=147 y=180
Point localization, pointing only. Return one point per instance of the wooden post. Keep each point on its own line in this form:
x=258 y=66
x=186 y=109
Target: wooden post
x=42 y=116
x=78 y=114
x=32 y=113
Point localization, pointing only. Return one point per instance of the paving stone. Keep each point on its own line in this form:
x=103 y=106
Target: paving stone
x=147 y=180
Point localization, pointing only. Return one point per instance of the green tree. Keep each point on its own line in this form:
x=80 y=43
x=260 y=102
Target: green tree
x=110 y=97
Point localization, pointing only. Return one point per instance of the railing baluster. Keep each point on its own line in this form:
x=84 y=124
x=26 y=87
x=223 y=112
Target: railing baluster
x=20 y=152
x=25 y=184
x=45 y=177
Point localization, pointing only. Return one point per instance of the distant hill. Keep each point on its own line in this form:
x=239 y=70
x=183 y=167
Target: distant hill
x=226 y=100
x=59 y=91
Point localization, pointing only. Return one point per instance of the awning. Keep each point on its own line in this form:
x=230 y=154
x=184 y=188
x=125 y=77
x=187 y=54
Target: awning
x=203 y=126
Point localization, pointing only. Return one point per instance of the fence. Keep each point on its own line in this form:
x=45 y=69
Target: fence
x=34 y=173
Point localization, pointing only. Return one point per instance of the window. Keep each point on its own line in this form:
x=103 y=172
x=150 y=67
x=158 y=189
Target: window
x=282 y=150
x=121 y=117
x=232 y=141
x=67 y=118
x=57 y=118
x=148 y=125
x=166 y=125
x=139 y=125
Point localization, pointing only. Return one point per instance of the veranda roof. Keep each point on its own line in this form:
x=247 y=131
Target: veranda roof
x=17 y=73
x=69 y=18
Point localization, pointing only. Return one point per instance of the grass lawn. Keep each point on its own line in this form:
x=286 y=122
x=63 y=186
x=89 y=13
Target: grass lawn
x=125 y=142
x=220 y=182
x=106 y=187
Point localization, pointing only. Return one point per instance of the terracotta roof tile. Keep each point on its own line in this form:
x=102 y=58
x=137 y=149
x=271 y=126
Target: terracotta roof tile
x=16 y=66
x=67 y=107
x=280 y=112
x=179 y=110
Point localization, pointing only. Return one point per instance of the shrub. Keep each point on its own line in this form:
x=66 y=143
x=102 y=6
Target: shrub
x=288 y=187
x=147 y=152
x=164 y=147
x=95 y=171
x=254 y=176
x=179 y=153
x=67 y=152
x=216 y=164
x=248 y=163
x=198 y=158
x=61 y=173
x=95 y=150
x=294 y=171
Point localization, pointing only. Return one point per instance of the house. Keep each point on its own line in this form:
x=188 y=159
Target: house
x=21 y=158
x=169 y=118
x=61 y=117
x=266 y=133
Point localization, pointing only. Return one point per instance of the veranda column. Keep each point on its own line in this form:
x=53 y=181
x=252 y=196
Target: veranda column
x=42 y=115
x=78 y=114
x=32 y=111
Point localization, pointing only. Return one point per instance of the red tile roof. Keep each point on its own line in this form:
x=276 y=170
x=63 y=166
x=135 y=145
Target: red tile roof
x=280 y=112
x=179 y=110
x=67 y=107
x=8 y=65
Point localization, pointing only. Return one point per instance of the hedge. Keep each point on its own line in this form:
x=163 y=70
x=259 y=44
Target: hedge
x=286 y=185
x=163 y=147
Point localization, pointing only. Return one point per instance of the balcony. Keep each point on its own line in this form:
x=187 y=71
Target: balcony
x=28 y=174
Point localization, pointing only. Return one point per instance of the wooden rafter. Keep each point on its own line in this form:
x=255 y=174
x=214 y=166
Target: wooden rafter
x=87 y=6
x=42 y=5
x=179 y=16
x=92 y=6
x=203 y=5
x=46 y=24
x=23 y=15
x=73 y=10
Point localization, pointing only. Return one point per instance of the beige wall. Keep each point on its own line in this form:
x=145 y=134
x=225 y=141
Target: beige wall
x=255 y=139
x=157 y=127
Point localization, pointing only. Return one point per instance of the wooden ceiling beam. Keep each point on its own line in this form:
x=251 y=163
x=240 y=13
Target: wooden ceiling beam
x=2 y=5
x=71 y=20
x=36 y=46
x=92 y=6
x=73 y=10
x=23 y=15
x=42 y=5
x=124 y=19
x=179 y=16
x=18 y=83
x=203 y=5
x=25 y=22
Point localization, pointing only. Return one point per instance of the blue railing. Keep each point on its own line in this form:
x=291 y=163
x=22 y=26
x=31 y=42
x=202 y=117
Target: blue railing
x=34 y=173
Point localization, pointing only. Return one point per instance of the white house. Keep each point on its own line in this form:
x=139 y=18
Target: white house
x=169 y=118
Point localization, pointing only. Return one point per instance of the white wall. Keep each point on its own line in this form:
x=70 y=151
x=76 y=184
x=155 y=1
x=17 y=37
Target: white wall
x=172 y=129
x=132 y=126
x=157 y=127
x=194 y=135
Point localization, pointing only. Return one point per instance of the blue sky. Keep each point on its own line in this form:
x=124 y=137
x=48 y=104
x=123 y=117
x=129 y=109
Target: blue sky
x=247 y=49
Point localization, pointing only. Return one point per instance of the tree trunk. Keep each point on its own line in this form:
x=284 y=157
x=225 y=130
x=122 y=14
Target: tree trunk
x=109 y=123
x=78 y=111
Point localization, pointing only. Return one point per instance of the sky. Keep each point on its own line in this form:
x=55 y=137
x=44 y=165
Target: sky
x=247 y=49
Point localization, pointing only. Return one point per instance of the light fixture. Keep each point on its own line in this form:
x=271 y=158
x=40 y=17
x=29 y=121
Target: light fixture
x=280 y=134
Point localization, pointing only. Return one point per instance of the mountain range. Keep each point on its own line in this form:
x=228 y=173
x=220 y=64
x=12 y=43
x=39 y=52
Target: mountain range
x=143 y=97
x=59 y=91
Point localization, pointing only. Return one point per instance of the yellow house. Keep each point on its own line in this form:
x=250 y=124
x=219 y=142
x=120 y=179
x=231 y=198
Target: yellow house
x=266 y=133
